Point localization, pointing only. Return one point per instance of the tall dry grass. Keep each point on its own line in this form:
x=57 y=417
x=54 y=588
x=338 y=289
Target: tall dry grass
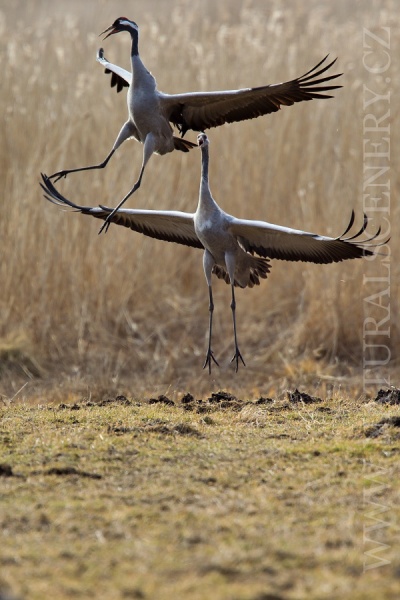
x=120 y=307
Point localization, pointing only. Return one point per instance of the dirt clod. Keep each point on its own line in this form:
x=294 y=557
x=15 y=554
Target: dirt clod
x=162 y=400
x=117 y=400
x=394 y=421
x=263 y=400
x=6 y=470
x=388 y=396
x=222 y=396
x=297 y=396
x=187 y=398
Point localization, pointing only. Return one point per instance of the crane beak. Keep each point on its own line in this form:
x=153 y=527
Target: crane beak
x=112 y=29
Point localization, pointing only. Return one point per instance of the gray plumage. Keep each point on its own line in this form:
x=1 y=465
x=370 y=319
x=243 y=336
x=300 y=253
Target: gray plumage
x=229 y=244
x=152 y=112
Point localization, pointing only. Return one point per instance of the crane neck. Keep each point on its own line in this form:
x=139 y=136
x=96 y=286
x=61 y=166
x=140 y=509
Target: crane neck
x=135 y=42
x=207 y=204
x=204 y=166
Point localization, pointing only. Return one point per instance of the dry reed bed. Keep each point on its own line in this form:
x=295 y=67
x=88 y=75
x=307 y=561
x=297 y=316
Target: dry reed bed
x=122 y=305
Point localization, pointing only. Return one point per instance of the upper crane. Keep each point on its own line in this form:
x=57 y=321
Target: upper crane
x=152 y=112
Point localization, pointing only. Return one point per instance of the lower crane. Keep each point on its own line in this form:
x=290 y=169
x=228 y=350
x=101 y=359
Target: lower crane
x=230 y=244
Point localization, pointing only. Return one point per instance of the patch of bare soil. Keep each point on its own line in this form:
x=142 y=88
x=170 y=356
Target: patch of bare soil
x=156 y=426
x=63 y=471
x=376 y=430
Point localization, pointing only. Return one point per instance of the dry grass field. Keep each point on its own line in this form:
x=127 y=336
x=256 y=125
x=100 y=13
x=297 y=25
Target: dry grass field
x=263 y=509
x=230 y=500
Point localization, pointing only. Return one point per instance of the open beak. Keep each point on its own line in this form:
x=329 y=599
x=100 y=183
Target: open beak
x=111 y=29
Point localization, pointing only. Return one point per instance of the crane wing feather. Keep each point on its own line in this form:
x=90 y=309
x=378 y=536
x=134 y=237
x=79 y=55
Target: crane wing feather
x=119 y=76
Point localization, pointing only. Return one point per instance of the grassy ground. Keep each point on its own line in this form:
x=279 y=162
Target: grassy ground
x=224 y=498
x=120 y=308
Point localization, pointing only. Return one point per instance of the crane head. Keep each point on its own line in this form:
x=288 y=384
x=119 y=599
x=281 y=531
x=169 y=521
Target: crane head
x=202 y=140
x=121 y=24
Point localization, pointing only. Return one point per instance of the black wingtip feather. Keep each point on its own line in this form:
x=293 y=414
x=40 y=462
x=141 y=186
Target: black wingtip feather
x=55 y=196
x=313 y=73
x=350 y=225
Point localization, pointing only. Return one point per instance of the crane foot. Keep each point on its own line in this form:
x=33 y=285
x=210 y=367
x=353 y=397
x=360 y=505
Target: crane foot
x=59 y=175
x=236 y=358
x=105 y=226
x=210 y=357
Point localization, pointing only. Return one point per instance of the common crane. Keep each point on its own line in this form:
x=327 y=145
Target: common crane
x=151 y=112
x=229 y=244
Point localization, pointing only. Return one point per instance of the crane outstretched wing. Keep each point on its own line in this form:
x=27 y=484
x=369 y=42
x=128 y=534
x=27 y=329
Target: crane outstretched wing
x=273 y=241
x=167 y=225
x=202 y=110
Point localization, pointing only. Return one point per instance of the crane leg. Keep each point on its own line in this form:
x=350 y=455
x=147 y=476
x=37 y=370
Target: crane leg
x=210 y=355
x=108 y=220
x=237 y=354
x=149 y=147
x=126 y=132
x=66 y=172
